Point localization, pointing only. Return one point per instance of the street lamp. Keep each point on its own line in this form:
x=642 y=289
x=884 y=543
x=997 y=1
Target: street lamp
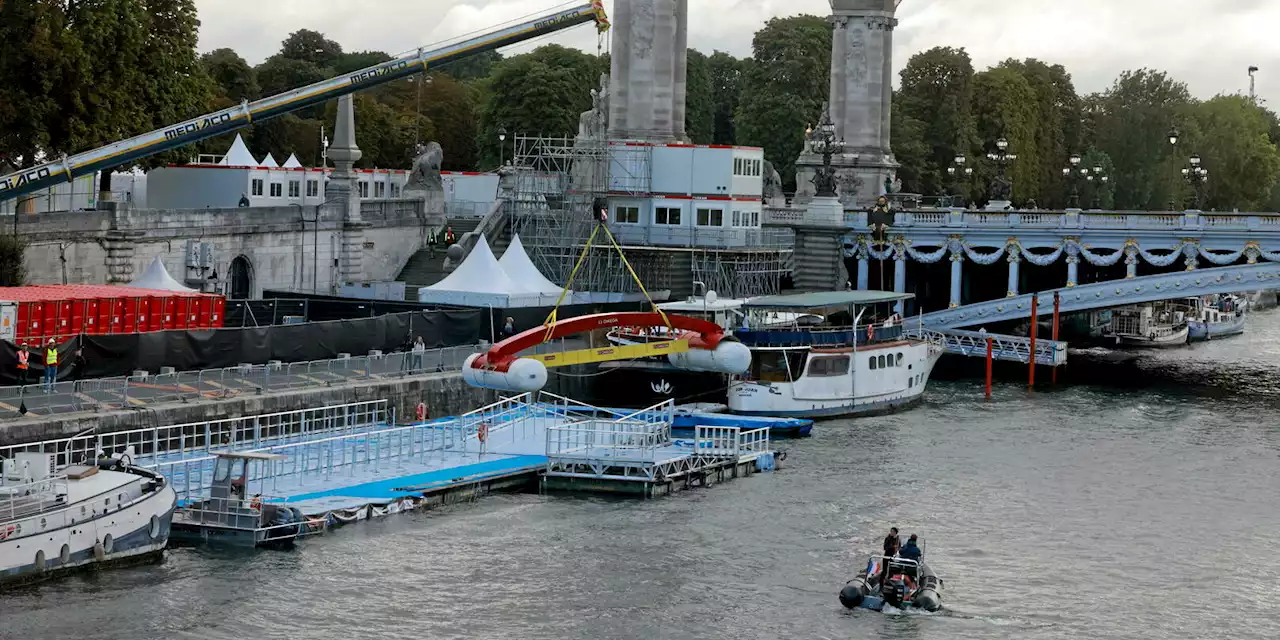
x=823 y=141
x=1173 y=136
x=502 y=148
x=958 y=170
x=1196 y=176
x=1001 y=187
x=1097 y=182
x=1072 y=173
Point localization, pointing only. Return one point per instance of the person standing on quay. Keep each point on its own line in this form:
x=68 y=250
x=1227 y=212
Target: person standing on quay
x=50 y=366
x=24 y=364
x=419 y=354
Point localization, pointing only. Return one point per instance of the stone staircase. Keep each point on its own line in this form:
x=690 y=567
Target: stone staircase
x=425 y=267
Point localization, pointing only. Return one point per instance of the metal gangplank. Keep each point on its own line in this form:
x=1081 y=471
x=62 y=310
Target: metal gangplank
x=1003 y=347
x=180 y=134
x=1106 y=295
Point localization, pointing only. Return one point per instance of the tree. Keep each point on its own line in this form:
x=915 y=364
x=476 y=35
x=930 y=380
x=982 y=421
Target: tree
x=539 y=93
x=911 y=152
x=700 y=116
x=13 y=267
x=1130 y=123
x=937 y=91
x=1057 y=125
x=473 y=67
x=33 y=52
x=450 y=107
x=234 y=78
x=726 y=87
x=177 y=87
x=279 y=74
x=102 y=98
x=305 y=45
x=1237 y=150
x=1004 y=106
x=357 y=60
x=784 y=89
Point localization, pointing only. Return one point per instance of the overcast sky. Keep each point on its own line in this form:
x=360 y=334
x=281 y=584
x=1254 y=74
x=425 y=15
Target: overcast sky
x=1207 y=43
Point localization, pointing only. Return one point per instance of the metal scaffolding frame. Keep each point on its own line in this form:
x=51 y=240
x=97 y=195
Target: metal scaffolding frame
x=561 y=182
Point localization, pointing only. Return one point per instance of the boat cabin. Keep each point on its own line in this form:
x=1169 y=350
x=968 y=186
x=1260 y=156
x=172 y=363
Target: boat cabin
x=237 y=510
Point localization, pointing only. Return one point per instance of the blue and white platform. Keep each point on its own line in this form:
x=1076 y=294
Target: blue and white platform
x=344 y=463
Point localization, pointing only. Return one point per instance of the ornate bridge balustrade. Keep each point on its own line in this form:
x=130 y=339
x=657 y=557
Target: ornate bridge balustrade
x=1041 y=238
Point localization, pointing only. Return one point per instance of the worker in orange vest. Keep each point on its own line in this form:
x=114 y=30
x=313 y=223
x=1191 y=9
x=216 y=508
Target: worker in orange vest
x=24 y=364
x=449 y=238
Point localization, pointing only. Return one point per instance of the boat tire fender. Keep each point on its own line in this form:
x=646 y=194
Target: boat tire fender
x=853 y=593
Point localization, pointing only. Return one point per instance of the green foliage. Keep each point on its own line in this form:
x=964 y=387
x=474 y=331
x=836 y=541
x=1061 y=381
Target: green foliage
x=1004 y=106
x=538 y=93
x=937 y=91
x=784 y=89
x=305 y=45
x=472 y=67
x=700 y=107
x=1130 y=122
x=726 y=87
x=13 y=268
x=1237 y=150
x=32 y=46
x=233 y=78
x=1056 y=126
x=450 y=106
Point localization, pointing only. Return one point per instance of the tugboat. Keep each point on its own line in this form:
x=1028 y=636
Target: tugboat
x=236 y=513
x=910 y=583
x=55 y=521
x=1222 y=318
x=1150 y=325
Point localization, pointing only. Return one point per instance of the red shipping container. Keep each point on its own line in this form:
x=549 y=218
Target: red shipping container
x=169 y=313
x=130 y=315
x=63 y=311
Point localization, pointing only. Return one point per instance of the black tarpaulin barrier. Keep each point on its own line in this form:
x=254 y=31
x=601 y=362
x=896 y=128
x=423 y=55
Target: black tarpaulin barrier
x=122 y=354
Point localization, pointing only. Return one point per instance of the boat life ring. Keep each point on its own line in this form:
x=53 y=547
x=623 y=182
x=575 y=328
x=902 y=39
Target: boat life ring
x=421 y=411
x=483 y=432
x=256 y=503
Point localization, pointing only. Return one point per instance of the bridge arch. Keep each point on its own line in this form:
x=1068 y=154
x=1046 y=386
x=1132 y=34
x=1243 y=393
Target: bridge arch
x=240 y=278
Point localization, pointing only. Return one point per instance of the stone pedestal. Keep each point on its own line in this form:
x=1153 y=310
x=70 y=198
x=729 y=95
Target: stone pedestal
x=819 y=256
x=861 y=102
x=649 y=64
x=342 y=191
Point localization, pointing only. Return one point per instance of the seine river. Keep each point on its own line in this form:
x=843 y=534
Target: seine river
x=1081 y=512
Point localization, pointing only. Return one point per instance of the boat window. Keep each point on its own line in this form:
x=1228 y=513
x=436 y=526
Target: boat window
x=872 y=360
x=899 y=360
x=883 y=364
x=827 y=367
x=772 y=366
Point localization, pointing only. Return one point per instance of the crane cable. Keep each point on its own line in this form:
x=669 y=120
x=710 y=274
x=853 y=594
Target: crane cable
x=552 y=318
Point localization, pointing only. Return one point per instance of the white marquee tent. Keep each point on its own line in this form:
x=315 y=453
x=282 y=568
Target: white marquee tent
x=521 y=270
x=480 y=282
x=238 y=155
x=157 y=277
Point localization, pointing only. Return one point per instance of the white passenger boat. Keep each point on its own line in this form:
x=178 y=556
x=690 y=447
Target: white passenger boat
x=54 y=521
x=1156 y=325
x=865 y=367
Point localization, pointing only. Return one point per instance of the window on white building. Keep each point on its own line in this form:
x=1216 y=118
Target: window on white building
x=755 y=218
x=627 y=215
x=295 y=188
x=710 y=218
x=313 y=188
x=667 y=216
x=257 y=186
x=276 y=189
x=364 y=189
x=395 y=190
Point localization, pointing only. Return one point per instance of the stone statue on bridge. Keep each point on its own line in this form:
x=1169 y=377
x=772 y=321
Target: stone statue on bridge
x=594 y=124
x=426 y=184
x=773 y=194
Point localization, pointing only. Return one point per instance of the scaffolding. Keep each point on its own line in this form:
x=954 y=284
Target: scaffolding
x=561 y=185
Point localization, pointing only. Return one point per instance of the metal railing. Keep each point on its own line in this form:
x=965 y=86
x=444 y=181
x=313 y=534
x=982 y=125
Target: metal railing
x=26 y=499
x=1003 y=347
x=228 y=382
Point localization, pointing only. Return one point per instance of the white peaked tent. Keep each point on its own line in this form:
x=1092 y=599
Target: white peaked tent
x=269 y=162
x=238 y=155
x=521 y=270
x=292 y=162
x=480 y=282
x=157 y=277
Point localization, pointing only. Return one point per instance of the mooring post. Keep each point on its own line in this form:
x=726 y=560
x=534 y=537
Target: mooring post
x=1031 y=357
x=989 y=343
x=1057 y=303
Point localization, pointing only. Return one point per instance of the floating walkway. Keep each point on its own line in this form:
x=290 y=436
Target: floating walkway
x=343 y=463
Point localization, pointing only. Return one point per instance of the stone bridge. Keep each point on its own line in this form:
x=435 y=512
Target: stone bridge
x=251 y=249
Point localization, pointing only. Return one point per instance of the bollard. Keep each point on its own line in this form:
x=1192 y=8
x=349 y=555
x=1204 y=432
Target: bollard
x=989 y=344
x=1031 y=357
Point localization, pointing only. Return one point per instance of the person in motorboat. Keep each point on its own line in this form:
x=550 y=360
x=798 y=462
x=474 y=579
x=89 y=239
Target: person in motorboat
x=911 y=551
x=891 y=544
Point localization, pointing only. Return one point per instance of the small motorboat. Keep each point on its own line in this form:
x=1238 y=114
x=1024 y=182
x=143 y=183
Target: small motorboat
x=1220 y=318
x=909 y=583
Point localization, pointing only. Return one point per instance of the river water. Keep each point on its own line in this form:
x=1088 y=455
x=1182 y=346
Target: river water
x=1080 y=512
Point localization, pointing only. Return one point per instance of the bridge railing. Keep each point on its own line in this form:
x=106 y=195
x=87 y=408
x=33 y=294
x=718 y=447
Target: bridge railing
x=1003 y=347
x=1064 y=220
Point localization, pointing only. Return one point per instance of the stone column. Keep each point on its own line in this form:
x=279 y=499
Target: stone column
x=648 y=69
x=1130 y=262
x=1015 y=260
x=1073 y=270
x=899 y=275
x=861 y=101
x=957 y=262
x=343 y=191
